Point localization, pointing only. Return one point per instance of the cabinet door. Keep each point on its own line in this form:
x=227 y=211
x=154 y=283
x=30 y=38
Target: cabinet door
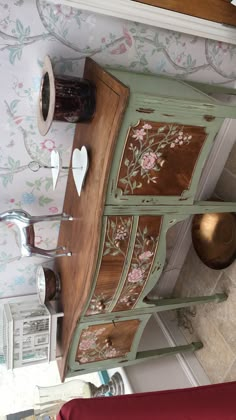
x=107 y=342
x=159 y=161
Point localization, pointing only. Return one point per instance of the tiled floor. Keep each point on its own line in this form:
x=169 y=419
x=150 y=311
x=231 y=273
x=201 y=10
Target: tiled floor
x=215 y=323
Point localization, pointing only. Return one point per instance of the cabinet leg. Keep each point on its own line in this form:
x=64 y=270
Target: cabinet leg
x=176 y=303
x=141 y=356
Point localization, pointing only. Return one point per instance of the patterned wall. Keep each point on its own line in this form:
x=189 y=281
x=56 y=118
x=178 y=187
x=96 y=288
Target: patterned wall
x=28 y=31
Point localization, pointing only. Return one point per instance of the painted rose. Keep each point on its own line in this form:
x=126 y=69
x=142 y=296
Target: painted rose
x=135 y=275
x=139 y=134
x=145 y=255
x=148 y=160
x=86 y=344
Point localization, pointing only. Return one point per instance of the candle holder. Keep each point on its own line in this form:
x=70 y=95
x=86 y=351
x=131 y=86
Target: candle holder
x=63 y=98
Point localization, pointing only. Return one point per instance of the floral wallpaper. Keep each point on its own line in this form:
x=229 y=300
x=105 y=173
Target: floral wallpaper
x=28 y=31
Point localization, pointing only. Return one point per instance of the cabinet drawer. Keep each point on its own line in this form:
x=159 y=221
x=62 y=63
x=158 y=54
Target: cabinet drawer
x=113 y=255
x=107 y=342
x=144 y=249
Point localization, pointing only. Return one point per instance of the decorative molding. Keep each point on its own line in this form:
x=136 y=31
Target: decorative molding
x=188 y=361
x=155 y=16
x=214 y=166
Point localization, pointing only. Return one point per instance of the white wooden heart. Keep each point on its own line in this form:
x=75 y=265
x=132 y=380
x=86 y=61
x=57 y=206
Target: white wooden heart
x=79 y=167
x=55 y=167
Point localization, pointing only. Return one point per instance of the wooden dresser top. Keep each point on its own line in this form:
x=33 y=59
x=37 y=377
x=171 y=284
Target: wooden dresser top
x=82 y=235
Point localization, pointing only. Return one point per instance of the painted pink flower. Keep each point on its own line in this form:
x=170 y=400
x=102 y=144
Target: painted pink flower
x=135 y=275
x=111 y=353
x=12 y=200
x=128 y=37
x=48 y=145
x=53 y=210
x=147 y=126
x=20 y=85
x=121 y=49
x=139 y=134
x=148 y=160
x=103 y=40
x=86 y=344
x=145 y=255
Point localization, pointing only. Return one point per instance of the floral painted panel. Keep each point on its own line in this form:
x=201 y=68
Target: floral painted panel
x=106 y=341
x=159 y=158
x=31 y=29
x=115 y=249
x=144 y=251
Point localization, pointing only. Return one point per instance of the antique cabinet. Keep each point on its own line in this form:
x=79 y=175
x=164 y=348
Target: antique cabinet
x=147 y=145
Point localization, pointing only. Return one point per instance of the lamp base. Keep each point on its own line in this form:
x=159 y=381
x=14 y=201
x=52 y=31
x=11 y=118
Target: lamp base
x=115 y=387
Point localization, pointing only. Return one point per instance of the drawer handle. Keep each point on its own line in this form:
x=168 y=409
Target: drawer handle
x=100 y=305
x=148 y=240
x=108 y=342
x=130 y=302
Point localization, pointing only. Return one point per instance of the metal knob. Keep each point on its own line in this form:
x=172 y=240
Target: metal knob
x=100 y=305
x=148 y=240
x=130 y=302
x=108 y=342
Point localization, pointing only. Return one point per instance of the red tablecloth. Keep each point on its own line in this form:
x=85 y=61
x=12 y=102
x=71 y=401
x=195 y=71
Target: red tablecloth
x=212 y=402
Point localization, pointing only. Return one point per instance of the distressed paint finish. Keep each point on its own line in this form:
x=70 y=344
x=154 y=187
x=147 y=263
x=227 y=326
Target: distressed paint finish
x=159 y=158
x=106 y=341
x=144 y=251
x=115 y=246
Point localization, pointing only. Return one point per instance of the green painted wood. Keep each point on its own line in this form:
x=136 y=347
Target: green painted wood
x=140 y=358
x=176 y=303
x=152 y=85
x=199 y=207
x=211 y=89
x=153 y=354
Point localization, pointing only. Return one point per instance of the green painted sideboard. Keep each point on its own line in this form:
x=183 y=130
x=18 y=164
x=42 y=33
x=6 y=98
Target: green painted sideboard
x=147 y=145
